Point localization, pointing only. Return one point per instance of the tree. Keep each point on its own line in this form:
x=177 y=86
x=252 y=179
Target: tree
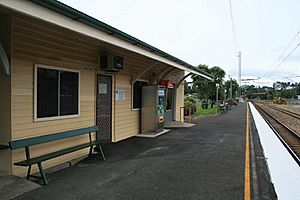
x=187 y=89
x=235 y=87
x=265 y=93
x=207 y=89
x=201 y=84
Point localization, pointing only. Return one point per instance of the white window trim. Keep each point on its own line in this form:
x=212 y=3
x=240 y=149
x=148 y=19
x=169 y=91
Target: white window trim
x=36 y=119
x=132 y=87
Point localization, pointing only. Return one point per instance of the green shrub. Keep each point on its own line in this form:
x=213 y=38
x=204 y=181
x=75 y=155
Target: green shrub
x=189 y=102
x=204 y=104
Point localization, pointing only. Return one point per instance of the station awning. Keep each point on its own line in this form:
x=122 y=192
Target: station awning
x=70 y=18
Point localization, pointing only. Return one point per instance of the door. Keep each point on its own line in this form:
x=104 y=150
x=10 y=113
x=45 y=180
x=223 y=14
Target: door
x=104 y=107
x=169 y=105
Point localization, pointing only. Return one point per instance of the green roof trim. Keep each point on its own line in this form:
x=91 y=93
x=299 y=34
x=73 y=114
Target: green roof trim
x=86 y=19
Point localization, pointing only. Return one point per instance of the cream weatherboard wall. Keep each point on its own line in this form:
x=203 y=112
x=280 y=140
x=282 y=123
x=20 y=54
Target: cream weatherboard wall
x=179 y=103
x=126 y=119
x=35 y=44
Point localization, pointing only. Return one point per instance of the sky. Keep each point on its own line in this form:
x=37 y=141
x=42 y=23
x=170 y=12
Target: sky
x=200 y=32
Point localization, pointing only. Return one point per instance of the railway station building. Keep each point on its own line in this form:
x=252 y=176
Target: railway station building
x=62 y=70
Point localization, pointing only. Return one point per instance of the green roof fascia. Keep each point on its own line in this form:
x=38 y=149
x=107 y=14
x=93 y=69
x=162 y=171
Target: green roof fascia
x=86 y=19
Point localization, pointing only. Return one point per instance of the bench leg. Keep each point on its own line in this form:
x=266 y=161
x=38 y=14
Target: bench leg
x=91 y=149
x=101 y=151
x=42 y=173
x=28 y=172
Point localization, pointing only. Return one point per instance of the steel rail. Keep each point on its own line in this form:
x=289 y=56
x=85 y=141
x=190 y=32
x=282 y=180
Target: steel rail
x=290 y=113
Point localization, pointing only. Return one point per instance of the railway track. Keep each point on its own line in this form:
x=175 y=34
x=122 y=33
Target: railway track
x=289 y=138
x=293 y=114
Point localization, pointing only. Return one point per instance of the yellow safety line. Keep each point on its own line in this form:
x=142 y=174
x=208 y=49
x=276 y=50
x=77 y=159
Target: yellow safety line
x=247 y=191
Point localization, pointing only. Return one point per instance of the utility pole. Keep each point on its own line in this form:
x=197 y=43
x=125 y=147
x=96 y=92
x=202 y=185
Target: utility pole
x=230 y=88
x=217 y=97
x=239 y=73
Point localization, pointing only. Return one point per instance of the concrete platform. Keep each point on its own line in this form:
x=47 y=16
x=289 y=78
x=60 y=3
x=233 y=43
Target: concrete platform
x=206 y=161
x=14 y=186
x=283 y=169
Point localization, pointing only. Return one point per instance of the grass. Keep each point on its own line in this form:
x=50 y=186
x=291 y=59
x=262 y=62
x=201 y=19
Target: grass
x=208 y=111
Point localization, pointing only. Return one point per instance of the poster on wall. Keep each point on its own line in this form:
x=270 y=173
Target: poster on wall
x=120 y=95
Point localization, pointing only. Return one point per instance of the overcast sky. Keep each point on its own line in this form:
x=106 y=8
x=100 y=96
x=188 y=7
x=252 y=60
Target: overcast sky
x=200 y=31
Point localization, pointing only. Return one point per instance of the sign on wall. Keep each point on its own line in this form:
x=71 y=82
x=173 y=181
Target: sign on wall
x=120 y=94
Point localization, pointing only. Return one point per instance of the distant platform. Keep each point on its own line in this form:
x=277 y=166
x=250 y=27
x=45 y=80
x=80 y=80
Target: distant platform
x=152 y=134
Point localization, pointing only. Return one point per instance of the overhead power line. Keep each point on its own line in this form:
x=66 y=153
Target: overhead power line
x=283 y=52
x=283 y=60
x=233 y=29
x=287 y=47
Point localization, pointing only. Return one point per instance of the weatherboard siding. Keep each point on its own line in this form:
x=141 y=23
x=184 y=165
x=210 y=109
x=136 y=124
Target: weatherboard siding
x=37 y=44
x=126 y=119
x=179 y=103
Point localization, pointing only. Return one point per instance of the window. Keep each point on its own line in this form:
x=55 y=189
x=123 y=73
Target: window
x=137 y=94
x=57 y=93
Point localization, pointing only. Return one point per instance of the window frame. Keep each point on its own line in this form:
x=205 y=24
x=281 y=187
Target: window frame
x=36 y=119
x=132 y=94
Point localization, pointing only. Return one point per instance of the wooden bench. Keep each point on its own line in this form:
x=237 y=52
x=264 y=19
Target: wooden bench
x=223 y=107
x=26 y=143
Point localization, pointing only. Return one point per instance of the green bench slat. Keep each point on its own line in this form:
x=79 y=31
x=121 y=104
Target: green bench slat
x=55 y=154
x=48 y=138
